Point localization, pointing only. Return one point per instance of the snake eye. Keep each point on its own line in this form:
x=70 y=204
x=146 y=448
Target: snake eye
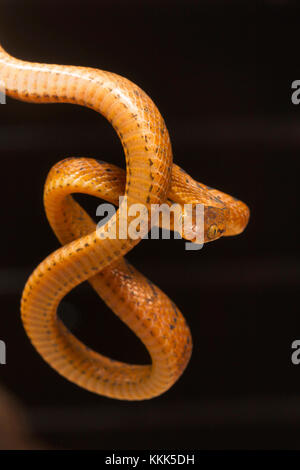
x=212 y=231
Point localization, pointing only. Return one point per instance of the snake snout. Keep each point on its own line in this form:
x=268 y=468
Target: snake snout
x=238 y=219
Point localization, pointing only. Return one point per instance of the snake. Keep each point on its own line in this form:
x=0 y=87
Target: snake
x=150 y=178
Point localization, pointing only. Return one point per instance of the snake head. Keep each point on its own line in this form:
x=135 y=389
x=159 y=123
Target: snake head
x=209 y=220
x=214 y=222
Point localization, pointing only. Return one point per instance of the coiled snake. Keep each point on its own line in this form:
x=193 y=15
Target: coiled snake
x=151 y=178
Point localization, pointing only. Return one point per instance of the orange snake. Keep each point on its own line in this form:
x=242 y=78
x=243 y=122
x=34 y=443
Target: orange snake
x=151 y=178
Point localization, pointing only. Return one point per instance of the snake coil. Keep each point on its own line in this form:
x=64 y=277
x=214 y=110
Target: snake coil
x=151 y=178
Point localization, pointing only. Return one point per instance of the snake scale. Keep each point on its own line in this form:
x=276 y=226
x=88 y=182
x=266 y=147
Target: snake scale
x=150 y=178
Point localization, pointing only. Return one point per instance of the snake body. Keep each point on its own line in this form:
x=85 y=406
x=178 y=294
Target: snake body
x=150 y=178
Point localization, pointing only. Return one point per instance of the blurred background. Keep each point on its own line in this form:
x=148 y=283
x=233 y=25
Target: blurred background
x=220 y=72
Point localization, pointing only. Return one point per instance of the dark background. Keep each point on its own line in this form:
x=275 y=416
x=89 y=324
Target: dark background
x=221 y=74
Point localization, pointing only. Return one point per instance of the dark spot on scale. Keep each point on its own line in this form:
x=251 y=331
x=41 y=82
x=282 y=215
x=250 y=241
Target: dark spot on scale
x=152 y=288
x=174 y=308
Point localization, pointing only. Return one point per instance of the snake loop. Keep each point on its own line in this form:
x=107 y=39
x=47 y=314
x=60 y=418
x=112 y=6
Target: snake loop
x=151 y=178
